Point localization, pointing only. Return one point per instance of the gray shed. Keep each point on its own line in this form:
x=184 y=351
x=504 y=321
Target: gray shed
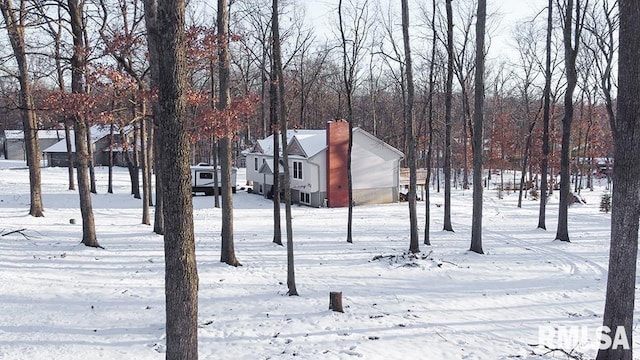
x=14 y=146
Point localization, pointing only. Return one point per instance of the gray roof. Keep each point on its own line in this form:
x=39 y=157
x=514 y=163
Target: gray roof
x=97 y=133
x=42 y=134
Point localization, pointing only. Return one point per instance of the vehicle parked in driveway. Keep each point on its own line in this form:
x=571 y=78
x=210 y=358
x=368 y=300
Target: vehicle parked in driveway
x=202 y=179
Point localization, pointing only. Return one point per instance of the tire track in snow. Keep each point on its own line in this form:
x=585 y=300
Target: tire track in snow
x=578 y=265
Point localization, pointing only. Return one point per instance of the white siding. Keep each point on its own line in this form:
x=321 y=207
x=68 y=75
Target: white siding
x=373 y=165
x=311 y=172
x=252 y=174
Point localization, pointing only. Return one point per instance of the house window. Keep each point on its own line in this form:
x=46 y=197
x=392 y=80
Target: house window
x=297 y=170
x=255 y=164
x=304 y=198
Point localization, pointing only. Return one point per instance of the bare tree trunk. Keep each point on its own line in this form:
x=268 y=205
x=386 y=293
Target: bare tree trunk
x=447 y=137
x=214 y=141
x=347 y=74
x=158 y=219
x=347 y=77
x=92 y=173
x=56 y=32
x=621 y=281
x=150 y=152
x=438 y=166
x=525 y=157
x=465 y=159
x=571 y=37
x=216 y=180
x=478 y=119
x=150 y=15
x=227 y=254
x=275 y=190
x=277 y=61
x=414 y=242
x=263 y=94
x=84 y=187
x=111 y=144
x=146 y=175
x=427 y=198
x=70 y=165
x=620 y=298
x=14 y=21
x=181 y=275
x=133 y=162
x=80 y=125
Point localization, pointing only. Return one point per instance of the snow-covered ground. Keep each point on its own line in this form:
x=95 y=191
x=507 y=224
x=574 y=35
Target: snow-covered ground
x=61 y=300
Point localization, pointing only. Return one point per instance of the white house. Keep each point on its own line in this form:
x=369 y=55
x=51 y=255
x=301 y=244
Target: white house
x=318 y=167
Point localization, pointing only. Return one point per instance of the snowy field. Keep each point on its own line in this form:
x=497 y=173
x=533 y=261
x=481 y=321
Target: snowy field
x=61 y=300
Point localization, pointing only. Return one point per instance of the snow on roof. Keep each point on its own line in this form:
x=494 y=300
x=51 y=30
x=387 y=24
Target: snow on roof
x=42 y=134
x=97 y=133
x=312 y=141
x=315 y=141
x=379 y=141
x=267 y=167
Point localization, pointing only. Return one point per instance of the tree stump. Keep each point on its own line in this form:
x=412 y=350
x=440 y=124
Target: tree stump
x=335 y=301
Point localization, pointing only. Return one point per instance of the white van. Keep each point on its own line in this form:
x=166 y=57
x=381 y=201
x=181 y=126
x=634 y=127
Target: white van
x=202 y=179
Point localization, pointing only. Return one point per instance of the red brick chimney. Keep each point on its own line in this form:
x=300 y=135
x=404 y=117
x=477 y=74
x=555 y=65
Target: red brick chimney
x=337 y=174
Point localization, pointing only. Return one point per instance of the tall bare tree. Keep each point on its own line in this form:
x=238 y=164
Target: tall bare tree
x=14 y=19
x=275 y=117
x=55 y=29
x=414 y=242
x=447 y=122
x=430 y=99
x=571 y=30
x=286 y=181
x=353 y=41
x=181 y=274
x=599 y=40
x=225 y=144
x=78 y=59
x=464 y=68
x=546 y=117
x=478 y=130
x=623 y=253
x=528 y=56
x=120 y=40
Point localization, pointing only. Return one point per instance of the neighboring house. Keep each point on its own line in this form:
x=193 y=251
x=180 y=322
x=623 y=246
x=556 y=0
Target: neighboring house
x=119 y=151
x=14 y=146
x=56 y=154
x=318 y=167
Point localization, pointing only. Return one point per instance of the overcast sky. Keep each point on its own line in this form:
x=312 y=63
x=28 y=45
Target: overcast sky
x=322 y=13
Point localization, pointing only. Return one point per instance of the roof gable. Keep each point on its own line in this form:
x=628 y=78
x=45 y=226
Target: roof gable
x=295 y=148
x=257 y=148
x=267 y=167
x=378 y=145
x=311 y=143
x=303 y=138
